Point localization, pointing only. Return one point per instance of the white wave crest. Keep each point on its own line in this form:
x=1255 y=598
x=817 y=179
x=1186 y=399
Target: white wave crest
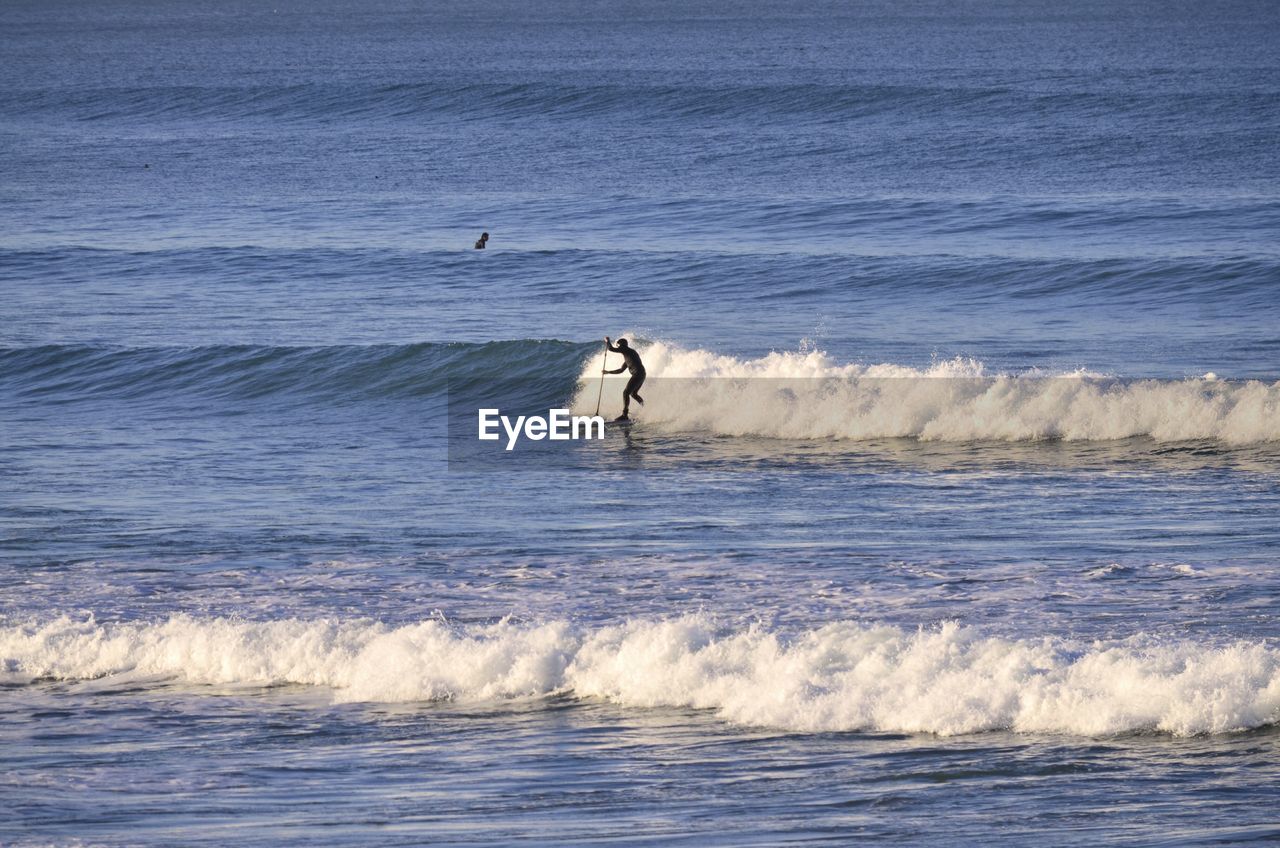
x=844 y=676
x=807 y=395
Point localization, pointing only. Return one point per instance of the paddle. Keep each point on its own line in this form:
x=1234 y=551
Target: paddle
x=603 y=365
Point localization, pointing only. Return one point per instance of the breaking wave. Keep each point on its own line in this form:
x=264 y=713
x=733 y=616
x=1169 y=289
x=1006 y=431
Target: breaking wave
x=789 y=395
x=841 y=677
x=808 y=395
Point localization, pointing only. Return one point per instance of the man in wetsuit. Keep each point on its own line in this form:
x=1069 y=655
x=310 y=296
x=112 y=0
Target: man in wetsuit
x=636 y=367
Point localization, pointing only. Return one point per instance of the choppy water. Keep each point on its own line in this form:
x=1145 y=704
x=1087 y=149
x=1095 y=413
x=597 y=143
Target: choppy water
x=951 y=517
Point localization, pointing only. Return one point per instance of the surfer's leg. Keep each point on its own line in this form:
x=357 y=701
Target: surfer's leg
x=633 y=388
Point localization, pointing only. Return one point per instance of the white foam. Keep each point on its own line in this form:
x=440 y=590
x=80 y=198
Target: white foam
x=844 y=676
x=807 y=395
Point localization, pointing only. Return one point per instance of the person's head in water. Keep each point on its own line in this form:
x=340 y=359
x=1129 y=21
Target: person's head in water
x=622 y=342
x=484 y=237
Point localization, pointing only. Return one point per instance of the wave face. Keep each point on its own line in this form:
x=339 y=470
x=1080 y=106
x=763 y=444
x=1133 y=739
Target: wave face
x=326 y=372
x=807 y=395
x=841 y=677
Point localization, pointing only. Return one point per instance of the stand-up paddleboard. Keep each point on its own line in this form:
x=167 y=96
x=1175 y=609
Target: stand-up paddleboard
x=620 y=423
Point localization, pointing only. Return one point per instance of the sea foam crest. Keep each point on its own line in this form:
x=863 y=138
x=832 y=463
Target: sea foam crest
x=842 y=676
x=807 y=395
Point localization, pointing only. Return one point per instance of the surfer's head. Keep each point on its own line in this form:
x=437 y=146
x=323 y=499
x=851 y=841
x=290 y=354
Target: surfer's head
x=484 y=237
x=622 y=342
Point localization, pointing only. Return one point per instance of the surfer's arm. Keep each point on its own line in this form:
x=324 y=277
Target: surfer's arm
x=617 y=370
x=608 y=343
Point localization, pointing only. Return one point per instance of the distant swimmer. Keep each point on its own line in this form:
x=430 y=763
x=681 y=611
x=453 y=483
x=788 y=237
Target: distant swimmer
x=636 y=367
x=484 y=237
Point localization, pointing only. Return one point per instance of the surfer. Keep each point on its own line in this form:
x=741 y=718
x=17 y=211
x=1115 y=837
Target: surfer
x=633 y=364
x=484 y=237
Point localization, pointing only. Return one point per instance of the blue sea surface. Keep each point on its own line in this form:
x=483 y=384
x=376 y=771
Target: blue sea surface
x=952 y=515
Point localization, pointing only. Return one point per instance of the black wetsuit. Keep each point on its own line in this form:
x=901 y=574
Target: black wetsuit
x=636 y=367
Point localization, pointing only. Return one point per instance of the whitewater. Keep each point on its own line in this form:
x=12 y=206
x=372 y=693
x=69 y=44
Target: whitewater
x=842 y=677
x=807 y=395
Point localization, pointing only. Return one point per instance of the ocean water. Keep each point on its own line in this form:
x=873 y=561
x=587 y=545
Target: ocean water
x=952 y=516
